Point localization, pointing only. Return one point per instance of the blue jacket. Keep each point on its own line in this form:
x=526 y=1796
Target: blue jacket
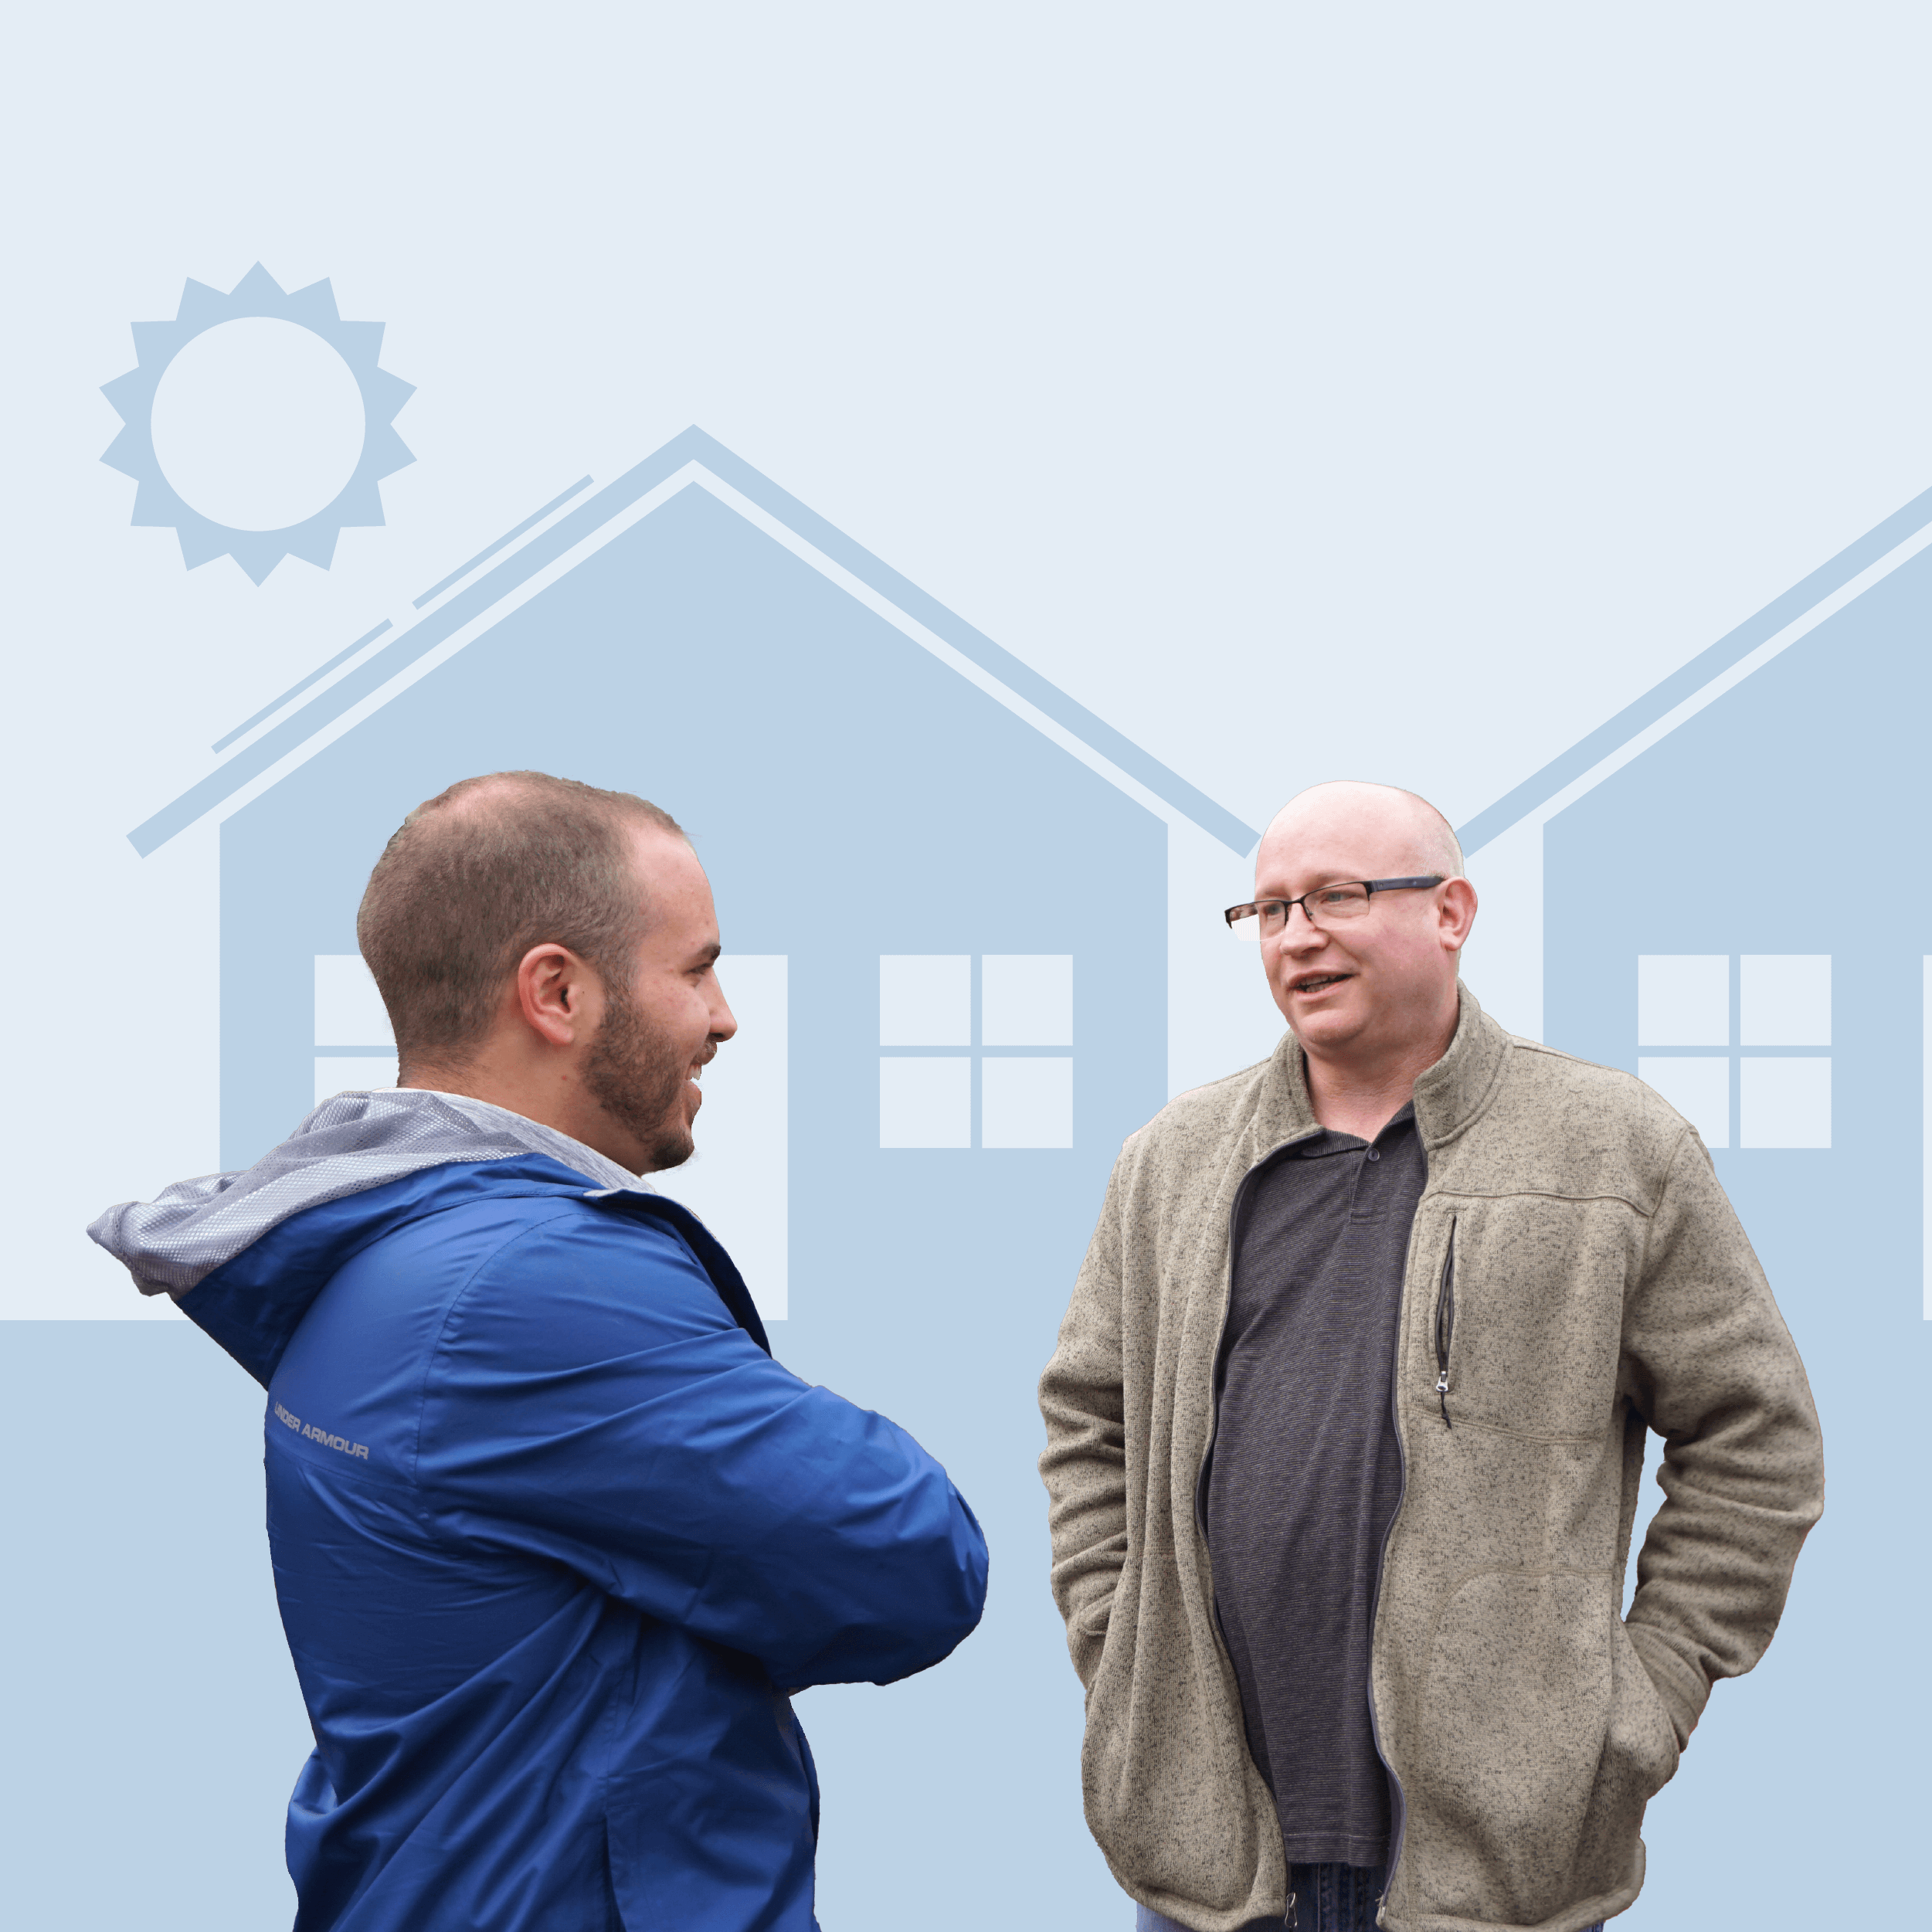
x=554 y=1537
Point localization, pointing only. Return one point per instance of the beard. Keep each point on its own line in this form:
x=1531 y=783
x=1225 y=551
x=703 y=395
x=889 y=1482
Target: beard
x=639 y=1078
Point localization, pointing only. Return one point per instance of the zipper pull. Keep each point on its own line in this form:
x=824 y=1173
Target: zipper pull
x=1445 y=1324
x=1289 y=1918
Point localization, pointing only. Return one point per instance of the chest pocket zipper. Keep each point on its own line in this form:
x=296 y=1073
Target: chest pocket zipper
x=1445 y=1325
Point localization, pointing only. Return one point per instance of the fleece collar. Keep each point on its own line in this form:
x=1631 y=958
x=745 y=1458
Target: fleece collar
x=1448 y=1096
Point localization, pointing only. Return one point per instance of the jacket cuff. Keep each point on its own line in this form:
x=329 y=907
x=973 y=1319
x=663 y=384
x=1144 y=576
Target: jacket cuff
x=1684 y=1689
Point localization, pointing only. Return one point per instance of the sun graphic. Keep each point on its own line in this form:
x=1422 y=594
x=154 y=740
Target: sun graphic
x=312 y=535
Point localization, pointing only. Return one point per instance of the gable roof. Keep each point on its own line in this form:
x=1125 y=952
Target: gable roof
x=691 y=458
x=1710 y=674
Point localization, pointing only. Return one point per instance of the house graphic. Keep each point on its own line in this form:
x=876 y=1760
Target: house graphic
x=942 y=887
x=1722 y=887
x=1720 y=876
x=907 y=1144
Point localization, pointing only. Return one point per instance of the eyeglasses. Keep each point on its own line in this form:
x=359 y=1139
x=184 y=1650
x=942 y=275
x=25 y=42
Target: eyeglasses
x=1348 y=900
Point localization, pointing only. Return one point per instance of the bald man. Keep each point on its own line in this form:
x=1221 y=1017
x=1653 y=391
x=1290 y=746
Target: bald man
x=1345 y=1429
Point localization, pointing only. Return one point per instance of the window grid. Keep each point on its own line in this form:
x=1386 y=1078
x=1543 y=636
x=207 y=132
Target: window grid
x=1745 y=1125
x=977 y=1053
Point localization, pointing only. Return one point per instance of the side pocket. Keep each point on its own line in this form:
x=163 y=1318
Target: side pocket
x=1445 y=1324
x=1087 y=1638
x=1517 y=1702
x=1164 y=1768
x=1642 y=1742
x=1639 y=1757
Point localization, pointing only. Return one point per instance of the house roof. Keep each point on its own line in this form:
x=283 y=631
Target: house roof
x=692 y=457
x=1710 y=674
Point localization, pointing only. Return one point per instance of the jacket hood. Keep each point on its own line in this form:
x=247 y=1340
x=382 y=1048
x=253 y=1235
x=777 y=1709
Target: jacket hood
x=353 y=1143
x=243 y=1254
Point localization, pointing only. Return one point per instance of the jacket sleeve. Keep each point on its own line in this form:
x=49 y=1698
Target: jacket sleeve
x=1711 y=1368
x=592 y=1403
x=1085 y=1465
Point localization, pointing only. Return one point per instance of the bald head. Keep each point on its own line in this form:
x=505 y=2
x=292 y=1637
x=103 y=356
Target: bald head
x=1371 y=994
x=1408 y=835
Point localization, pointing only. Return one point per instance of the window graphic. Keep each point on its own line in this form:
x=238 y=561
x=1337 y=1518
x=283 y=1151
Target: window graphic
x=354 y=1047
x=1775 y=1002
x=738 y=1182
x=996 y=1011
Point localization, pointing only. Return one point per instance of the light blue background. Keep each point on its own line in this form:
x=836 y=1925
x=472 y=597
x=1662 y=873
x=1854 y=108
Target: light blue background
x=1398 y=395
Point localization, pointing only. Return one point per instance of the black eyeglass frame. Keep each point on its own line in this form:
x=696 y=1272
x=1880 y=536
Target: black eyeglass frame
x=1370 y=886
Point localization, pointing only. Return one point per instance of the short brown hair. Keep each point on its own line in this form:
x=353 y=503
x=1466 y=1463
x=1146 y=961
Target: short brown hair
x=477 y=876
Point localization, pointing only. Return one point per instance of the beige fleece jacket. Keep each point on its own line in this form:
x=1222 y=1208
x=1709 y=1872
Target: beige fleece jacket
x=1600 y=1284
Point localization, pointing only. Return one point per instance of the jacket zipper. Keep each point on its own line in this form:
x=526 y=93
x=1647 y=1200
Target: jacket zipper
x=1290 y=1918
x=1445 y=1325
x=1399 y=1804
x=1444 y=1330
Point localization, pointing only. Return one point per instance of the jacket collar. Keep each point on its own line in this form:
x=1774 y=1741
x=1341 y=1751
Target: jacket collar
x=1448 y=1096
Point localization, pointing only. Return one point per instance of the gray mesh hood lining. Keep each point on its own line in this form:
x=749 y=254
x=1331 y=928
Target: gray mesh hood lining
x=354 y=1141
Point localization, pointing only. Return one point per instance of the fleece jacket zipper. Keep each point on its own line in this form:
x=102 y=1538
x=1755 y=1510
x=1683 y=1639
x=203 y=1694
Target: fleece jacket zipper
x=1289 y=1917
x=1445 y=1330
x=1401 y=1807
x=1445 y=1325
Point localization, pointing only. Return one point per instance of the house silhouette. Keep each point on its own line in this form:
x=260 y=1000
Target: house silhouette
x=1731 y=907
x=1727 y=903
x=941 y=885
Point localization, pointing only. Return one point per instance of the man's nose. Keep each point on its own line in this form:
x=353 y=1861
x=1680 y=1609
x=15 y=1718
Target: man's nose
x=1299 y=933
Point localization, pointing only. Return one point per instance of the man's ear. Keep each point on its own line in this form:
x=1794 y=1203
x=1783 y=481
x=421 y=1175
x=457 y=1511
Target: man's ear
x=558 y=994
x=1457 y=913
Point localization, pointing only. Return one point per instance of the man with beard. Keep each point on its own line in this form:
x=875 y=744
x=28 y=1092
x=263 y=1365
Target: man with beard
x=553 y=1534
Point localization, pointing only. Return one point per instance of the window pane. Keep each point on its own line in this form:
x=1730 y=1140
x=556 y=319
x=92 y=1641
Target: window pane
x=1784 y=1103
x=1026 y=1000
x=1683 y=999
x=1026 y=1103
x=925 y=1102
x=736 y=1182
x=349 y=1010
x=1700 y=1089
x=1784 y=1000
x=925 y=1000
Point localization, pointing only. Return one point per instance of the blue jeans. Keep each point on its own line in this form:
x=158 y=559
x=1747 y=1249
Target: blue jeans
x=1325 y=1898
